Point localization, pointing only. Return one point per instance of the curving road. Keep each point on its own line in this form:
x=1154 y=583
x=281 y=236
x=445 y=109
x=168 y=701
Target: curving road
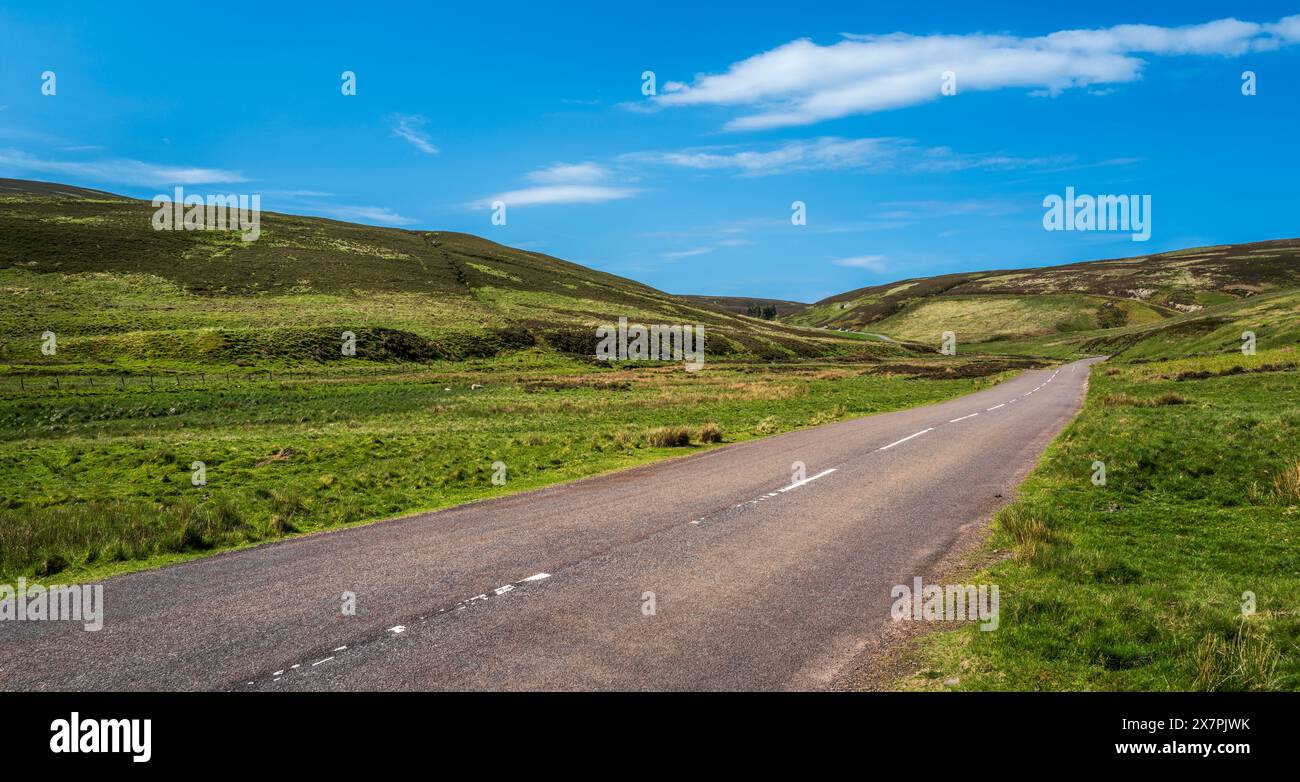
x=759 y=583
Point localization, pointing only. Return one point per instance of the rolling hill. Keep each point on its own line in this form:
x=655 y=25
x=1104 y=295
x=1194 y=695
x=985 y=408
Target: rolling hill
x=1079 y=297
x=88 y=266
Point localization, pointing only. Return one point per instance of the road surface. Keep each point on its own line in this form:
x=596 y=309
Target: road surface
x=758 y=582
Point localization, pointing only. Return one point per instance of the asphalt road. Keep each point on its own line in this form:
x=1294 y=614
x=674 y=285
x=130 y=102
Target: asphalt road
x=759 y=583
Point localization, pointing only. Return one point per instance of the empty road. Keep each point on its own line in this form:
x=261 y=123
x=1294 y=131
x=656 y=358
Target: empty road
x=758 y=582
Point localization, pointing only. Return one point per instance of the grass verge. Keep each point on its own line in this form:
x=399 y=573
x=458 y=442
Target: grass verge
x=1181 y=572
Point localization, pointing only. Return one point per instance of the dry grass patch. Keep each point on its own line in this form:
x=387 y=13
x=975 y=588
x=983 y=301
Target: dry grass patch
x=668 y=436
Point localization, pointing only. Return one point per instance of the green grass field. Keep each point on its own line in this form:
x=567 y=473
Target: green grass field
x=1139 y=584
x=99 y=480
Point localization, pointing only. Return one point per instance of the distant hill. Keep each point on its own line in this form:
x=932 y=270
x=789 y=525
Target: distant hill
x=89 y=266
x=1274 y=319
x=746 y=305
x=1025 y=303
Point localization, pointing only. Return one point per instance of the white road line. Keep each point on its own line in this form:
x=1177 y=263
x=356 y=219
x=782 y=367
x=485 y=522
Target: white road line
x=538 y=577
x=318 y=662
x=797 y=484
x=905 y=439
x=396 y=629
x=340 y=649
x=995 y=407
x=963 y=418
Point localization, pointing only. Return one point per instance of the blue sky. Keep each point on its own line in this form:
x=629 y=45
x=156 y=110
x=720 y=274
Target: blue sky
x=690 y=190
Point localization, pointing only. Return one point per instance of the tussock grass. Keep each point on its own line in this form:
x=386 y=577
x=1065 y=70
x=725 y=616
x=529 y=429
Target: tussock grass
x=1286 y=485
x=1167 y=398
x=1243 y=660
x=668 y=436
x=709 y=433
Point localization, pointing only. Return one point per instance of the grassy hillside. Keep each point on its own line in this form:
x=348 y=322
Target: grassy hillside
x=119 y=295
x=1274 y=318
x=1024 y=303
x=979 y=318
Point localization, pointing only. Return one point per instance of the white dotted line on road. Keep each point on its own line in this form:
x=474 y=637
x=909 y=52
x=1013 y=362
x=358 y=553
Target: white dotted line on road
x=396 y=630
x=823 y=473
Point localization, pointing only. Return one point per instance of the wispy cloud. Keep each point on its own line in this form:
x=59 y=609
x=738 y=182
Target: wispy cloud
x=801 y=82
x=831 y=153
x=679 y=254
x=369 y=214
x=561 y=194
x=875 y=263
x=410 y=128
x=570 y=174
x=564 y=183
x=119 y=171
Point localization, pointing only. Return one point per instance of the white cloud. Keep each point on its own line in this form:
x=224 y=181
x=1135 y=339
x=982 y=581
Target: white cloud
x=801 y=83
x=564 y=183
x=875 y=263
x=410 y=128
x=129 y=172
x=831 y=153
x=561 y=194
x=300 y=193
x=688 y=253
x=369 y=214
x=570 y=173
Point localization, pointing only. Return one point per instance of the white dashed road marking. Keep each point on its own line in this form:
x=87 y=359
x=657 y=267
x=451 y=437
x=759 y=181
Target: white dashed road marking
x=995 y=407
x=963 y=418
x=797 y=484
x=905 y=439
